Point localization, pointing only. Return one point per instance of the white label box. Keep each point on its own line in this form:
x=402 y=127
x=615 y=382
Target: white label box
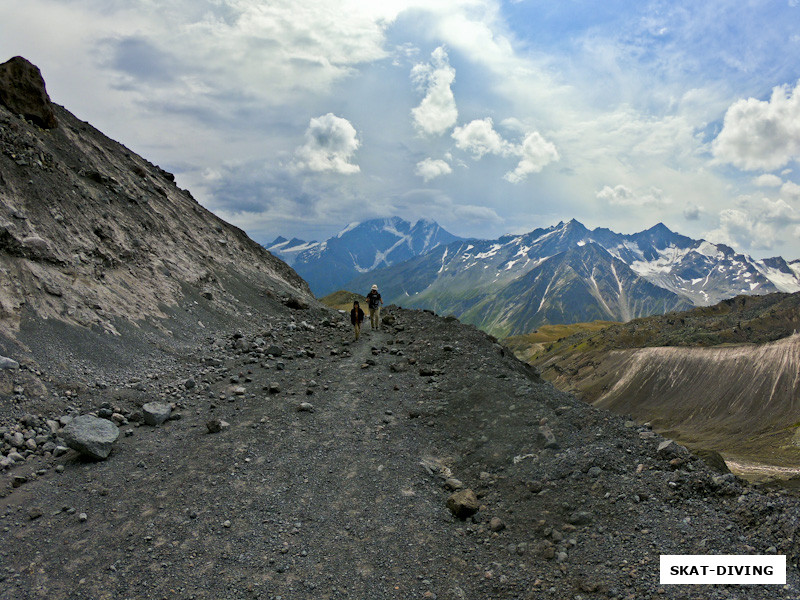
x=736 y=569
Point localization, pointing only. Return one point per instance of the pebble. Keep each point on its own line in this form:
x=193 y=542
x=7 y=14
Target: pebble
x=453 y=484
x=216 y=425
x=581 y=517
x=496 y=524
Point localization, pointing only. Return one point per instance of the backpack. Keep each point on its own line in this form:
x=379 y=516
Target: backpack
x=374 y=299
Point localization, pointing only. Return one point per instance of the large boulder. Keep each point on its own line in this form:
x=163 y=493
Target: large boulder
x=91 y=436
x=23 y=92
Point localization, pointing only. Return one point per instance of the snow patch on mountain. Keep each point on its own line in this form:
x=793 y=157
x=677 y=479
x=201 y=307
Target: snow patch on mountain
x=350 y=227
x=288 y=250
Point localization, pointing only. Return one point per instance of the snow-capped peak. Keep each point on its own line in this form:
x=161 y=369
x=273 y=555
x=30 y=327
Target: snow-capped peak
x=350 y=227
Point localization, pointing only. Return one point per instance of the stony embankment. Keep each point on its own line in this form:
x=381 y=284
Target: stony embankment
x=296 y=463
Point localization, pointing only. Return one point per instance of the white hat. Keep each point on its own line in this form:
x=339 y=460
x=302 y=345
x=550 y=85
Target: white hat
x=374 y=287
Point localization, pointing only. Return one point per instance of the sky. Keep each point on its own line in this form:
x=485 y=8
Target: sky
x=297 y=117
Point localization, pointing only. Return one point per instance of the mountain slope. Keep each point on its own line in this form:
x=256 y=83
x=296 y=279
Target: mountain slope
x=742 y=400
x=360 y=248
x=287 y=250
x=583 y=284
x=724 y=377
x=311 y=503
x=94 y=239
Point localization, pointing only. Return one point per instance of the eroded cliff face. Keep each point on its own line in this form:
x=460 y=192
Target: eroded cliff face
x=742 y=400
x=92 y=234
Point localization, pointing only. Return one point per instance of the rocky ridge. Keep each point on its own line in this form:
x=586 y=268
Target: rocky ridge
x=359 y=248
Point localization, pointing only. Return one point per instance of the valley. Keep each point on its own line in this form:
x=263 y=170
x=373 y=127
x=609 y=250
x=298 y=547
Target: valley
x=723 y=377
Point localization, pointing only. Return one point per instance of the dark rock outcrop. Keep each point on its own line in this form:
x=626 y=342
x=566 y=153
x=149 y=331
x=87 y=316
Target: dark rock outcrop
x=22 y=91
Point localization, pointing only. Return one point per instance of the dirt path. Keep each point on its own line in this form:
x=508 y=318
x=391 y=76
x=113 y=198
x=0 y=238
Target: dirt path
x=334 y=503
x=329 y=503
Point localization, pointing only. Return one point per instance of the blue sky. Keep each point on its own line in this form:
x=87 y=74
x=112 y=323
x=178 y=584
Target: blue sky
x=297 y=117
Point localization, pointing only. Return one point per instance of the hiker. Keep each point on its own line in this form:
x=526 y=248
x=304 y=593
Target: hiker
x=374 y=302
x=357 y=317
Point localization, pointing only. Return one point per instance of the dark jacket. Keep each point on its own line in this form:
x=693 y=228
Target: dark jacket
x=354 y=316
x=374 y=299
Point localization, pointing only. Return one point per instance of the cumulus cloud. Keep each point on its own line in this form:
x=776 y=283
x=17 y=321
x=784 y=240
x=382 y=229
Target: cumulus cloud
x=479 y=137
x=755 y=224
x=535 y=153
x=331 y=142
x=791 y=190
x=622 y=195
x=767 y=180
x=759 y=134
x=431 y=168
x=437 y=112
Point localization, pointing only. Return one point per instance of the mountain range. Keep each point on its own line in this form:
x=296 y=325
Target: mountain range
x=567 y=273
x=359 y=248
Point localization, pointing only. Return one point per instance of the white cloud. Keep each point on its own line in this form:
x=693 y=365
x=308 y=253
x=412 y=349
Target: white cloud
x=622 y=195
x=331 y=142
x=536 y=153
x=478 y=137
x=767 y=180
x=432 y=168
x=437 y=112
x=759 y=134
x=758 y=224
x=791 y=190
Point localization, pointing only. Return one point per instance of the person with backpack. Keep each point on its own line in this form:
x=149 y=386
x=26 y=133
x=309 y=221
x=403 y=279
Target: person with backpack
x=374 y=302
x=356 y=318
